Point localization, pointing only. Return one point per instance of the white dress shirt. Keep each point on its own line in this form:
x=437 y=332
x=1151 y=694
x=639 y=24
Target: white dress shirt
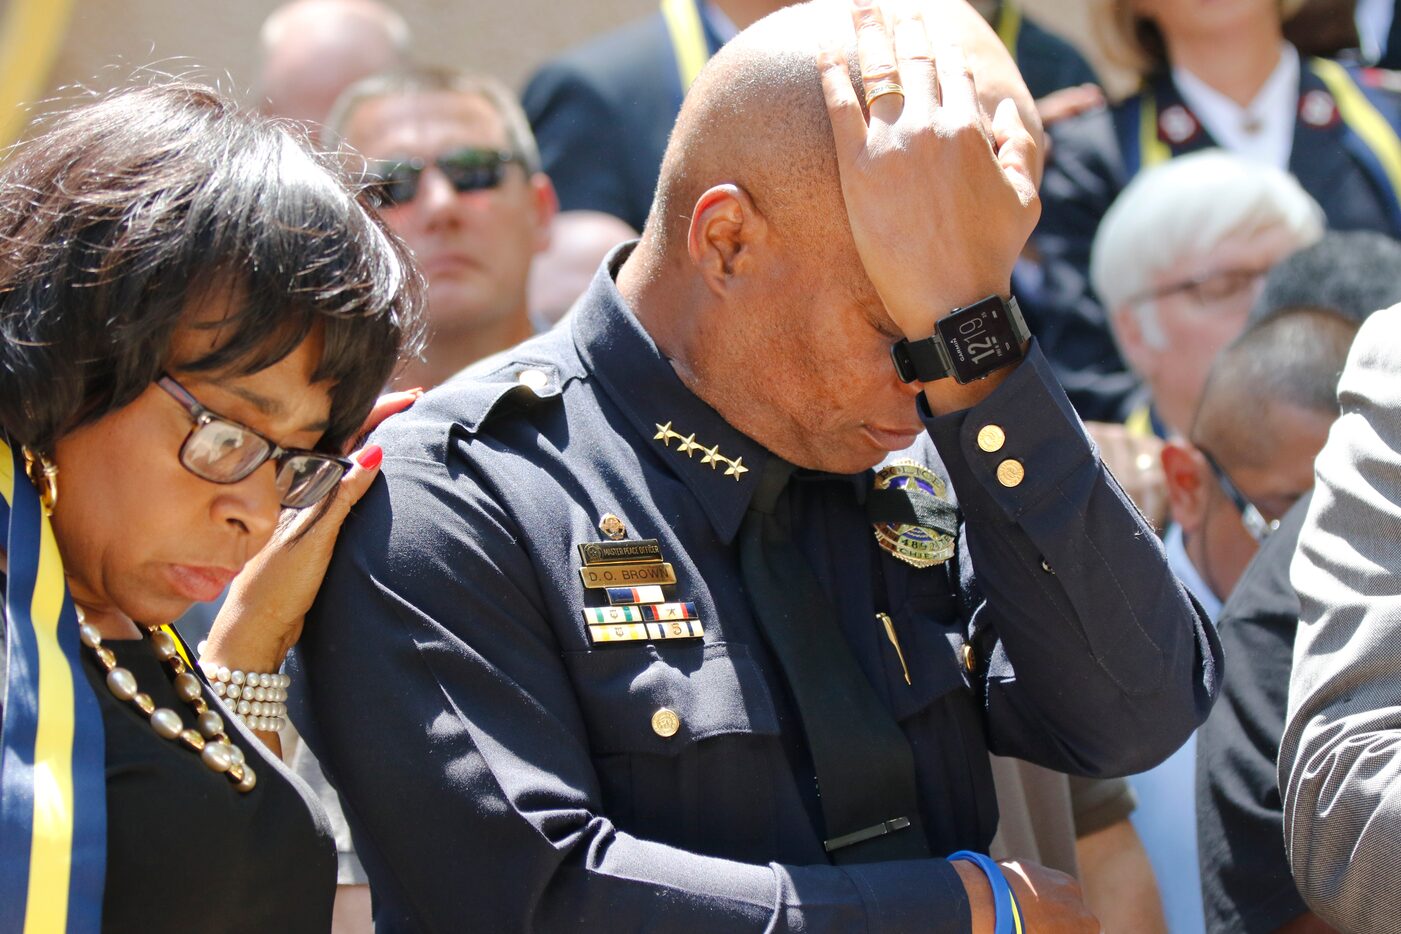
x=1263 y=130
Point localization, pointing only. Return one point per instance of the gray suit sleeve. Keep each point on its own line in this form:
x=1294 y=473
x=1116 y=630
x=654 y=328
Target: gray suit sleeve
x=1340 y=759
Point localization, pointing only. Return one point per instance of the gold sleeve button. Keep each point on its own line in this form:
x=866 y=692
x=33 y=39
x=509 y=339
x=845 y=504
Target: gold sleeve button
x=665 y=722
x=970 y=661
x=1010 y=473
x=991 y=438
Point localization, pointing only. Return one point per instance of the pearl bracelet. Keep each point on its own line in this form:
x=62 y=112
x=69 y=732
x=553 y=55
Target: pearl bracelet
x=257 y=698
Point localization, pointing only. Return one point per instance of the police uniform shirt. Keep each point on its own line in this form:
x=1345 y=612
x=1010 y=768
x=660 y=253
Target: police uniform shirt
x=505 y=770
x=1094 y=156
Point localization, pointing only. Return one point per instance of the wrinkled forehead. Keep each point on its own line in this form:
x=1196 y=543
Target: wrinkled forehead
x=424 y=124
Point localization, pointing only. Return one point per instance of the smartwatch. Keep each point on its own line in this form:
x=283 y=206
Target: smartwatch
x=968 y=343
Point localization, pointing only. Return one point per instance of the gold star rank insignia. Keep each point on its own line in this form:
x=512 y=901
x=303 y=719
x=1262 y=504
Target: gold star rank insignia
x=709 y=455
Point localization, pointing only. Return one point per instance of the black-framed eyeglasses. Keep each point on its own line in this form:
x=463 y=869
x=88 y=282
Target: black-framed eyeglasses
x=1254 y=521
x=221 y=450
x=471 y=168
x=1213 y=288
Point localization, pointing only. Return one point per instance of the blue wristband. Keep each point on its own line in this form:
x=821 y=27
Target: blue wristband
x=1007 y=917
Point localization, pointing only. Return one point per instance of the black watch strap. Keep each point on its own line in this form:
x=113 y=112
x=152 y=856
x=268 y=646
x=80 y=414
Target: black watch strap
x=967 y=344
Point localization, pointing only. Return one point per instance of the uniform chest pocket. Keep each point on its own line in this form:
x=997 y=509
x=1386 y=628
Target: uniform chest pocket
x=932 y=661
x=929 y=629
x=645 y=700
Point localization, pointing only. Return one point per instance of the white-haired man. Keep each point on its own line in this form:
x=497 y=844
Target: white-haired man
x=1179 y=259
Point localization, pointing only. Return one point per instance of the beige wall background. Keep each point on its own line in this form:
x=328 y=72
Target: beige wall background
x=107 y=40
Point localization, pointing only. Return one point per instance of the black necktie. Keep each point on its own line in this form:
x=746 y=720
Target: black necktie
x=865 y=769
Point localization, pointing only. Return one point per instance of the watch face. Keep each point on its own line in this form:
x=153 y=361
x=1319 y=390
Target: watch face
x=979 y=339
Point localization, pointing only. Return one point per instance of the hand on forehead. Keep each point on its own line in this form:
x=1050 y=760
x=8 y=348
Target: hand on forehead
x=954 y=22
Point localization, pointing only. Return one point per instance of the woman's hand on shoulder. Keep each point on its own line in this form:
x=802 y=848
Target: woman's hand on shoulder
x=267 y=603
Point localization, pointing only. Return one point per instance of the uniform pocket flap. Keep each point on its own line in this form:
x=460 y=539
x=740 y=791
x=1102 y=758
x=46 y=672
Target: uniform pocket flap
x=647 y=699
x=934 y=666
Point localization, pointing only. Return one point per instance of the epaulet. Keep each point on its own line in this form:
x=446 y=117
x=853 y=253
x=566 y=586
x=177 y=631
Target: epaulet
x=521 y=377
x=1383 y=79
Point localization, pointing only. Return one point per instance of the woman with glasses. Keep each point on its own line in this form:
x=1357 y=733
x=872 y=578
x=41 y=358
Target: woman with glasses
x=1213 y=75
x=198 y=315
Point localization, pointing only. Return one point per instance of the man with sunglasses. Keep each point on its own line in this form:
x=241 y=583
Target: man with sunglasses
x=1306 y=325
x=457 y=174
x=1264 y=415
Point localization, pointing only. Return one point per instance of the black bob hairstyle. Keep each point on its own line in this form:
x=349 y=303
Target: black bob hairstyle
x=127 y=212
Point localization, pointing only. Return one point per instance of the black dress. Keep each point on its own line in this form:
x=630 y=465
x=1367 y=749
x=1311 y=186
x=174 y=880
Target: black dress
x=185 y=850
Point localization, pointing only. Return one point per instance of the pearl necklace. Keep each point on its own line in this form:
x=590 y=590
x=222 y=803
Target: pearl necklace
x=215 y=748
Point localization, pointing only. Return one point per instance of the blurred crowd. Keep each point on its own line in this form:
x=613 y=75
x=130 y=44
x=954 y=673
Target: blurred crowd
x=1209 y=248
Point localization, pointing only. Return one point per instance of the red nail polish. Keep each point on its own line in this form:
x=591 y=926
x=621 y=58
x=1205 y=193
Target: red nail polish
x=371 y=456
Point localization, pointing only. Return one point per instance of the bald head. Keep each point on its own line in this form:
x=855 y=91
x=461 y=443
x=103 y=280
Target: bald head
x=756 y=118
x=747 y=276
x=1287 y=363
x=312 y=50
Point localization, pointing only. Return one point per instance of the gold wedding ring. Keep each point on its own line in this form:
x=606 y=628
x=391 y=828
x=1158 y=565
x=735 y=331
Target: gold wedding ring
x=882 y=88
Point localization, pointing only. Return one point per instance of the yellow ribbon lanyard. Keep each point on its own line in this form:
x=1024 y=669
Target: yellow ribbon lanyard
x=1151 y=149
x=683 y=22
x=1362 y=118
x=1139 y=424
x=1009 y=26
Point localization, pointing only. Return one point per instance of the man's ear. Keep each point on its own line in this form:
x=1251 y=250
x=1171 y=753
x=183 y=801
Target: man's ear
x=1187 y=476
x=545 y=205
x=725 y=230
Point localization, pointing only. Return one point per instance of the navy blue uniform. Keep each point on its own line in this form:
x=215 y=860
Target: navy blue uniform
x=502 y=771
x=1095 y=155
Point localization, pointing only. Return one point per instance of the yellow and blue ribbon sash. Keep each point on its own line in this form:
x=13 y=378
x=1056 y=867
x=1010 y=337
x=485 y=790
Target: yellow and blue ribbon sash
x=1376 y=144
x=1151 y=148
x=53 y=796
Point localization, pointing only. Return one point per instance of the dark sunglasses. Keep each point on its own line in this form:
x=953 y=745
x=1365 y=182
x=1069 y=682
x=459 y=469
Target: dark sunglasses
x=1254 y=521
x=223 y=451
x=395 y=181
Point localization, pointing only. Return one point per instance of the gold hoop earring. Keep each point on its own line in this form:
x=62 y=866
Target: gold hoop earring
x=43 y=473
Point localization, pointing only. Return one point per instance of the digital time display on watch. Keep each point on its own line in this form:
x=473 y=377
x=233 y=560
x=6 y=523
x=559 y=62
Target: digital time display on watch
x=968 y=344
x=979 y=339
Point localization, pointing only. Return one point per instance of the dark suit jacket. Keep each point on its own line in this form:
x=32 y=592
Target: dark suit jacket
x=602 y=112
x=1246 y=884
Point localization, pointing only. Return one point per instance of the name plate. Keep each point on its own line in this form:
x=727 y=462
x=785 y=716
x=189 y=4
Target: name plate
x=599 y=577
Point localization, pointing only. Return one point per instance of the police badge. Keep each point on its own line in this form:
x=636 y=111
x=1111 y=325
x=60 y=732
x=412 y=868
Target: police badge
x=920 y=545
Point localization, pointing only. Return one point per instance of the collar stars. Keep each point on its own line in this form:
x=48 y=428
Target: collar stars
x=710 y=455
